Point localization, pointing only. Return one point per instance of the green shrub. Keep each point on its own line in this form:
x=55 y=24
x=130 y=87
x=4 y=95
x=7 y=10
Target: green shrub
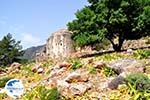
x=42 y=93
x=107 y=71
x=2 y=96
x=92 y=69
x=76 y=63
x=4 y=80
x=147 y=40
x=142 y=54
x=139 y=86
x=110 y=57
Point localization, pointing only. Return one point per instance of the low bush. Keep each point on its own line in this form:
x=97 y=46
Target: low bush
x=107 y=71
x=110 y=57
x=76 y=63
x=142 y=54
x=139 y=86
x=42 y=93
x=92 y=69
x=4 y=80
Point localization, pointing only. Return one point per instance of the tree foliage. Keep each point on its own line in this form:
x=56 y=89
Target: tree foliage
x=111 y=19
x=10 y=50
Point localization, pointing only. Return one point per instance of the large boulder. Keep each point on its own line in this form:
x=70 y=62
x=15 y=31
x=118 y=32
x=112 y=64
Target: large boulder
x=73 y=89
x=127 y=65
x=69 y=83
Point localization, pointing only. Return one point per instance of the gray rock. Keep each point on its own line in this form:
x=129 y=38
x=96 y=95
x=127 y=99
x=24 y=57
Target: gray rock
x=77 y=76
x=73 y=89
x=79 y=88
x=115 y=82
x=127 y=65
x=63 y=87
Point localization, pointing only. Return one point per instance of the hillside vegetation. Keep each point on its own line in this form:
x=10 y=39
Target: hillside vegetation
x=114 y=76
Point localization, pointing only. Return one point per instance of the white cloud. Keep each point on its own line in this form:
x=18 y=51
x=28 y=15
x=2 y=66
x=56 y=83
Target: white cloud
x=17 y=31
x=28 y=40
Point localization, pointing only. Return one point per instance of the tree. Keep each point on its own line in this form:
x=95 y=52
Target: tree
x=111 y=19
x=10 y=50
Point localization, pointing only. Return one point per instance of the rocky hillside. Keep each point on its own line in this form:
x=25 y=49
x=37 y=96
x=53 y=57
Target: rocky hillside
x=108 y=76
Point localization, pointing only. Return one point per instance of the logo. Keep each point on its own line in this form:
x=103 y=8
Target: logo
x=14 y=88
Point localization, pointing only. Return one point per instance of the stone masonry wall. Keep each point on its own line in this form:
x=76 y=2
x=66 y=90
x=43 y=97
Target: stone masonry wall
x=60 y=44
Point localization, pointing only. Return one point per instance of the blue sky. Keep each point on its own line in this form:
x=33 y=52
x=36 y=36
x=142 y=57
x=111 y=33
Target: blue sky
x=33 y=21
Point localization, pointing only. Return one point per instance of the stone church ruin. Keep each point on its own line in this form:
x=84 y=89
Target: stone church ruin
x=59 y=44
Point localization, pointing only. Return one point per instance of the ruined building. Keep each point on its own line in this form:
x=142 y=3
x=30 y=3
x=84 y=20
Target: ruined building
x=59 y=44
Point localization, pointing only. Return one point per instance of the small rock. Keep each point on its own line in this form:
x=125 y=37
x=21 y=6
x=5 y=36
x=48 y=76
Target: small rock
x=77 y=77
x=90 y=60
x=36 y=67
x=99 y=64
x=62 y=83
x=14 y=66
x=65 y=64
x=103 y=85
x=129 y=51
x=2 y=71
x=52 y=83
x=40 y=70
x=55 y=72
x=79 y=88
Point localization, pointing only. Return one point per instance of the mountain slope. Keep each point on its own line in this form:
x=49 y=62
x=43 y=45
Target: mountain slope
x=30 y=53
